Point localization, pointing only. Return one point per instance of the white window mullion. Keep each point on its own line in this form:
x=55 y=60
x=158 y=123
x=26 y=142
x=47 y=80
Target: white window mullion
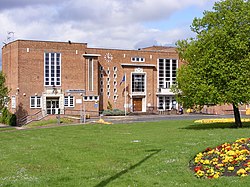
x=158 y=74
x=92 y=77
x=171 y=72
x=49 y=69
x=55 y=67
x=90 y=74
x=44 y=66
x=60 y=67
x=164 y=73
x=170 y=102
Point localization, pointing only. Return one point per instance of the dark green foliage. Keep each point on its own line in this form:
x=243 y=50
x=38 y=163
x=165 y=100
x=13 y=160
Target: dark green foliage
x=11 y=120
x=3 y=91
x=8 y=118
x=4 y=115
x=217 y=64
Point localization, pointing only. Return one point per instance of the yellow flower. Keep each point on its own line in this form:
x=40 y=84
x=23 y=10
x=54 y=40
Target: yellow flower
x=242 y=140
x=217 y=175
x=241 y=171
x=206 y=161
x=243 y=175
x=210 y=171
x=220 y=165
x=231 y=153
x=230 y=168
x=200 y=173
x=247 y=168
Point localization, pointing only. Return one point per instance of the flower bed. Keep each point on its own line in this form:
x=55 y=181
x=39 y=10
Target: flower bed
x=224 y=160
x=220 y=120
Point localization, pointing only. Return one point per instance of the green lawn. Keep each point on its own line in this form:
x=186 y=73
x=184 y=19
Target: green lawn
x=142 y=154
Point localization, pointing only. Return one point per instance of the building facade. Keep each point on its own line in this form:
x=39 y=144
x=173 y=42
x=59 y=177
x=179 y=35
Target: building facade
x=48 y=78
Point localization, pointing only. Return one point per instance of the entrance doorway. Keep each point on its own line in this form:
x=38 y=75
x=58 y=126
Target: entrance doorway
x=137 y=104
x=52 y=105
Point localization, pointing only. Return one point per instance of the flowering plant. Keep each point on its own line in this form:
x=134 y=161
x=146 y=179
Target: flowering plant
x=224 y=160
x=220 y=120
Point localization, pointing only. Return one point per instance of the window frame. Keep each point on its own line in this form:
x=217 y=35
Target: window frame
x=52 y=69
x=90 y=74
x=69 y=99
x=141 y=88
x=13 y=101
x=36 y=99
x=166 y=72
x=137 y=59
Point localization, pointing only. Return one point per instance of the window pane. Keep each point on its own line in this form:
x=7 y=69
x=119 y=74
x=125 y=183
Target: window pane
x=66 y=101
x=32 y=102
x=38 y=102
x=71 y=101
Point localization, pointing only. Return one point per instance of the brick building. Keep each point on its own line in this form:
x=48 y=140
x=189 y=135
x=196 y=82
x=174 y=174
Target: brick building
x=47 y=78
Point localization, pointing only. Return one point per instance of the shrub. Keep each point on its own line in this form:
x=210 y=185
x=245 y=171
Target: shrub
x=115 y=112
x=4 y=115
x=8 y=118
x=11 y=120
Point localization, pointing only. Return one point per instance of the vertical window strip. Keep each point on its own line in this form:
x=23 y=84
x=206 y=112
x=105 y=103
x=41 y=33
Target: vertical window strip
x=52 y=69
x=90 y=72
x=167 y=72
x=66 y=101
x=71 y=103
x=13 y=102
x=38 y=102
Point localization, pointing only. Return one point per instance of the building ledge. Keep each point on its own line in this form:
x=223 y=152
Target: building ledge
x=91 y=55
x=139 y=65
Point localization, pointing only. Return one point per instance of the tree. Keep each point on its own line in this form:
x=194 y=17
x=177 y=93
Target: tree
x=3 y=91
x=216 y=66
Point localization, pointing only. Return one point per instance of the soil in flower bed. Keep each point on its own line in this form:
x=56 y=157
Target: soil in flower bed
x=224 y=160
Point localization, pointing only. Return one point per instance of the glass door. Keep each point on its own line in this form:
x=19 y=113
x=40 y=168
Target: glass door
x=52 y=106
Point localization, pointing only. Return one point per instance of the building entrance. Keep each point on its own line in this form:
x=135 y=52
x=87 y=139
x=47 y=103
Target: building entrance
x=52 y=105
x=137 y=104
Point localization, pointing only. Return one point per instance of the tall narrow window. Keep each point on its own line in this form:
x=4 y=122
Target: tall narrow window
x=13 y=101
x=90 y=73
x=167 y=72
x=52 y=69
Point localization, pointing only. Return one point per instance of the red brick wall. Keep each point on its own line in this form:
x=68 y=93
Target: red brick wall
x=23 y=64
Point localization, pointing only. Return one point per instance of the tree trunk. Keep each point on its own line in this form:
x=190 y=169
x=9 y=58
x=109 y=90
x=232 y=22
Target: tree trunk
x=237 y=116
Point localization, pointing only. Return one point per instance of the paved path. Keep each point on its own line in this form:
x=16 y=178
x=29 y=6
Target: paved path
x=145 y=118
x=138 y=118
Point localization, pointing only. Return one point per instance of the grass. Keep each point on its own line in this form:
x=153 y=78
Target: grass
x=7 y=128
x=139 y=154
x=50 y=122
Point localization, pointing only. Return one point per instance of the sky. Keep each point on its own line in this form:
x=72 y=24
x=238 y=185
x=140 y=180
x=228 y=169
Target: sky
x=119 y=24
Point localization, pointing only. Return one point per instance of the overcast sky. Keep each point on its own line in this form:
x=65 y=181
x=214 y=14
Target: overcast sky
x=122 y=24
